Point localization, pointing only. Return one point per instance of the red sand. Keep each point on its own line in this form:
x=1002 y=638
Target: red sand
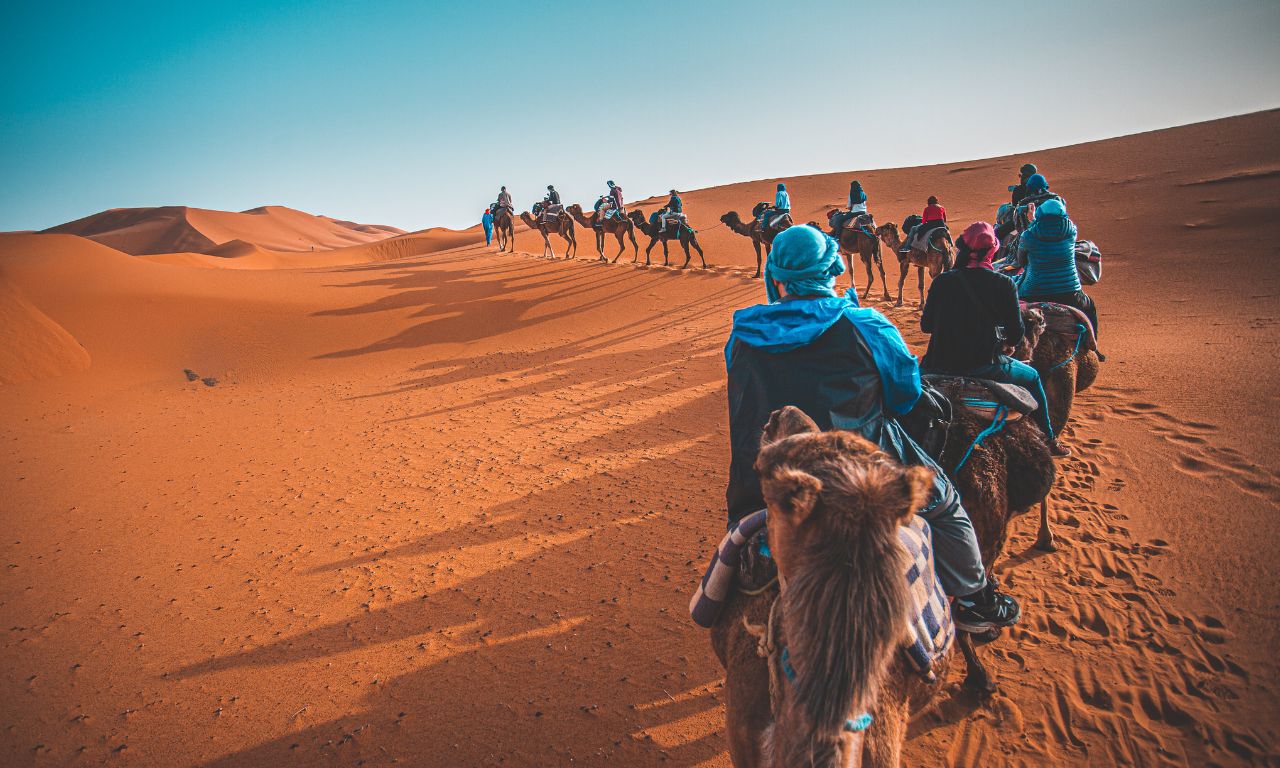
x=448 y=509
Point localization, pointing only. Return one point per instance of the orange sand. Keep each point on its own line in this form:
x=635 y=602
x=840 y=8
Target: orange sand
x=172 y=229
x=447 y=509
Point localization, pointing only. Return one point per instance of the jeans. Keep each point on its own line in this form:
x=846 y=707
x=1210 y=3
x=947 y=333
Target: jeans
x=1012 y=371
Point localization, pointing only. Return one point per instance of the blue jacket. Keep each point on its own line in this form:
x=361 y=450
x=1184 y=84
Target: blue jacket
x=782 y=201
x=844 y=366
x=1048 y=248
x=487 y=220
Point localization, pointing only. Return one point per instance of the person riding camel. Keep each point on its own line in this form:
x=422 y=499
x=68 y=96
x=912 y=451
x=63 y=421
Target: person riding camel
x=847 y=368
x=1038 y=191
x=504 y=201
x=781 y=206
x=1016 y=194
x=1047 y=251
x=934 y=216
x=613 y=202
x=857 y=207
x=673 y=211
x=551 y=204
x=973 y=319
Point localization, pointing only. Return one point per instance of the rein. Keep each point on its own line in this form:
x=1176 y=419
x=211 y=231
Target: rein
x=779 y=661
x=1080 y=332
x=1001 y=418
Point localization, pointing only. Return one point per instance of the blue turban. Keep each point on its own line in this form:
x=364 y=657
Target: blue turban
x=1037 y=183
x=806 y=261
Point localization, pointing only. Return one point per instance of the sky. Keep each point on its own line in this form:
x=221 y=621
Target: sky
x=413 y=113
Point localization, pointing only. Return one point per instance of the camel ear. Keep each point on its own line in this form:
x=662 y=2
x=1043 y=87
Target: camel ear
x=919 y=484
x=791 y=493
x=785 y=422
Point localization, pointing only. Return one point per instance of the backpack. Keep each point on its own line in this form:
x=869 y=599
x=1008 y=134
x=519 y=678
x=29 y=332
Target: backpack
x=929 y=421
x=1088 y=262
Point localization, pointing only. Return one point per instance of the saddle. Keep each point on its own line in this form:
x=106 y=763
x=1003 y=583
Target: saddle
x=922 y=238
x=985 y=398
x=1066 y=320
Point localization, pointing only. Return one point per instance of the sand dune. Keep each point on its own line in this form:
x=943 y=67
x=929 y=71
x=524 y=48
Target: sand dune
x=178 y=229
x=440 y=506
x=35 y=347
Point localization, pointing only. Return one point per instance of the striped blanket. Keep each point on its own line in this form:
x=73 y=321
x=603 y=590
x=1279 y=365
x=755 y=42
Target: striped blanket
x=930 y=628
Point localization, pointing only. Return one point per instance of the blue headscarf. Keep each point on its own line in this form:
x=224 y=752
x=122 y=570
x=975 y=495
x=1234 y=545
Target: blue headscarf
x=1037 y=183
x=1051 y=208
x=806 y=261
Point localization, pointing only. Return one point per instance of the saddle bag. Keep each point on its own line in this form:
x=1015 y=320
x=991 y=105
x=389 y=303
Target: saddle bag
x=1088 y=262
x=929 y=421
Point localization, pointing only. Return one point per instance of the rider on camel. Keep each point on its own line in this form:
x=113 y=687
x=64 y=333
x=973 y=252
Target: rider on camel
x=1047 y=250
x=973 y=318
x=613 y=202
x=847 y=368
x=857 y=207
x=550 y=204
x=673 y=211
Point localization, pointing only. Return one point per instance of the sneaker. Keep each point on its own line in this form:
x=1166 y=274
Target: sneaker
x=985 y=610
x=1058 y=450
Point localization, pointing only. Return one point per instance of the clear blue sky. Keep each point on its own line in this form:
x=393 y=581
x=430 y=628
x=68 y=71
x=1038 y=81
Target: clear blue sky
x=412 y=113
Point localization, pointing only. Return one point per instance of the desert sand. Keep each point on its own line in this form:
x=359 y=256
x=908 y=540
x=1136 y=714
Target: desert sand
x=424 y=504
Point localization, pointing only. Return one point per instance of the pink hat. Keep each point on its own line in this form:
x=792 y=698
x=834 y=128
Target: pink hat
x=982 y=241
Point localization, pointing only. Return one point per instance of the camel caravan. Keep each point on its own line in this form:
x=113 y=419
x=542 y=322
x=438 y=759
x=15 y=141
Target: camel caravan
x=870 y=494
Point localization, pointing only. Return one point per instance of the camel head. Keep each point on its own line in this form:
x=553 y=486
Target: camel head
x=835 y=502
x=831 y=214
x=1033 y=325
x=528 y=219
x=888 y=234
x=759 y=209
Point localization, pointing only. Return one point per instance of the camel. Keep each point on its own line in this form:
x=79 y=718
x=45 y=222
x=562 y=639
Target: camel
x=839 y=608
x=1065 y=366
x=1009 y=473
x=936 y=261
x=561 y=224
x=504 y=227
x=684 y=234
x=618 y=227
x=759 y=234
x=868 y=248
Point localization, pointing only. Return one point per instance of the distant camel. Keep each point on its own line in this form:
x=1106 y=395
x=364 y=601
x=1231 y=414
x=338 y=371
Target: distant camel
x=938 y=259
x=1056 y=350
x=560 y=223
x=684 y=233
x=760 y=235
x=618 y=227
x=815 y=674
x=854 y=240
x=505 y=228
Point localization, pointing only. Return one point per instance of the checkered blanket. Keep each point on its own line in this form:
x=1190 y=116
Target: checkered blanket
x=930 y=628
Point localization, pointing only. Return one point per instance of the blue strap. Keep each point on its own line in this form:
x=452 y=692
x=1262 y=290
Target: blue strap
x=997 y=424
x=1080 y=332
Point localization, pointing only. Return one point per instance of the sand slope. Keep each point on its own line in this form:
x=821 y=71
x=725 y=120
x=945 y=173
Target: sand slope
x=176 y=229
x=33 y=346
x=446 y=507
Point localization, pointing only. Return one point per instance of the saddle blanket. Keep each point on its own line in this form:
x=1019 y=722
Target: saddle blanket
x=921 y=239
x=1067 y=320
x=930 y=629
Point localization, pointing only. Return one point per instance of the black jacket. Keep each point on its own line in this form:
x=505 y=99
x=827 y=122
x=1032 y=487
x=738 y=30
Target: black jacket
x=553 y=197
x=963 y=335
